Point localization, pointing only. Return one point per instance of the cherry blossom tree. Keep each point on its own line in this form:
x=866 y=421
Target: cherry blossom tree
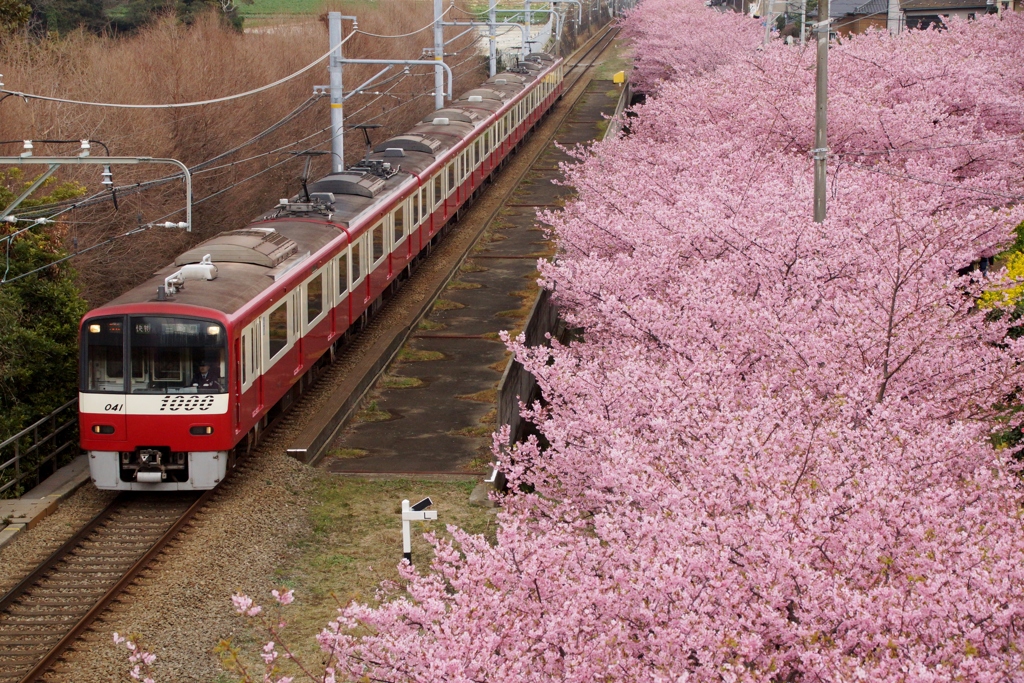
x=769 y=457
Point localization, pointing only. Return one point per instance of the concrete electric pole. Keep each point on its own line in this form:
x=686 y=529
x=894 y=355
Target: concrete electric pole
x=820 y=151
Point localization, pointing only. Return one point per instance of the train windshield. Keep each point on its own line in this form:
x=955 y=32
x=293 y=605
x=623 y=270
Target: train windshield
x=103 y=345
x=165 y=355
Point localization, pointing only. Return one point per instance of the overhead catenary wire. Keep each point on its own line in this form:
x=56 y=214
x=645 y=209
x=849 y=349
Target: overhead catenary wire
x=955 y=186
x=200 y=168
x=179 y=105
x=954 y=145
x=403 y=35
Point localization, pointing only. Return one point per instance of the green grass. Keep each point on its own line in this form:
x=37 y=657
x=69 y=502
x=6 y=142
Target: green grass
x=355 y=543
x=459 y=284
x=395 y=382
x=429 y=325
x=407 y=355
x=447 y=305
x=373 y=413
x=262 y=8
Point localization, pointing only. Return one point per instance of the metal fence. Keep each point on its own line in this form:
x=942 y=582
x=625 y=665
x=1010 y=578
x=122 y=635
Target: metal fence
x=37 y=451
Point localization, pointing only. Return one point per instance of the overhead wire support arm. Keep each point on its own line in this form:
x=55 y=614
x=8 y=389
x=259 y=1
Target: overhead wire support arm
x=579 y=6
x=522 y=29
x=408 y=62
x=55 y=162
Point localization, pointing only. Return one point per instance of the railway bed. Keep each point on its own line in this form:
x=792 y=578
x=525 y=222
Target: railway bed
x=440 y=433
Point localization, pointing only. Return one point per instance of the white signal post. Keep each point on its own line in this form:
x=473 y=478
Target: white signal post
x=414 y=513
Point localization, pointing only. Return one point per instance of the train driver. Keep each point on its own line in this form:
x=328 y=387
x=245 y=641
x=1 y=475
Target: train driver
x=207 y=377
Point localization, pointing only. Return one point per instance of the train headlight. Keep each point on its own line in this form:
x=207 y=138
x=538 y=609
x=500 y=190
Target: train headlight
x=213 y=330
x=95 y=329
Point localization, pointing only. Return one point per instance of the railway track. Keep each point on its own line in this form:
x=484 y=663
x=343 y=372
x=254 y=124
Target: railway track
x=368 y=353
x=51 y=608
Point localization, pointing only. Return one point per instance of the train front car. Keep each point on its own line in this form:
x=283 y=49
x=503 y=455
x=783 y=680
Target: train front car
x=154 y=401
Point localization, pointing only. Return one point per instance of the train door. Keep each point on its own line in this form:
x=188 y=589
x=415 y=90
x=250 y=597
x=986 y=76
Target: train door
x=251 y=395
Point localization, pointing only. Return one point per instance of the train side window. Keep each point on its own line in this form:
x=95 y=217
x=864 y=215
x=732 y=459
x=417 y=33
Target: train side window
x=245 y=357
x=277 y=329
x=356 y=253
x=451 y=177
x=342 y=269
x=398 y=220
x=438 y=191
x=257 y=347
x=377 y=240
x=487 y=141
x=416 y=208
x=315 y=297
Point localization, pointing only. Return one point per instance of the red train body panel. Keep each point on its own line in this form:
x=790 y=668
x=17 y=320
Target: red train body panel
x=180 y=372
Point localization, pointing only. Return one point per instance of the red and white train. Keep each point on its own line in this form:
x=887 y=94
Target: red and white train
x=183 y=370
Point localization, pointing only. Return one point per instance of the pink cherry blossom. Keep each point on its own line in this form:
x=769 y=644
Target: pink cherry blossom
x=283 y=597
x=767 y=453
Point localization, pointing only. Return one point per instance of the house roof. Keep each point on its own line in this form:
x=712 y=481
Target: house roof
x=846 y=8
x=840 y=8
x=873 y=7
x=919 y=5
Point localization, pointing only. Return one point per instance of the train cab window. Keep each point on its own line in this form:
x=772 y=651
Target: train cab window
x=398 y=220
x=277 y=329
x=103 y=346
x=377 y=240
x=451 y=177
x=342 y=264
x=314 y=297
x=438 y=191
x=177 y=356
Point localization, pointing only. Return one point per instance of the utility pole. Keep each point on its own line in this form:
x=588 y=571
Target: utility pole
x=820 y=151
x=803 y=22
x=892 y=17
x=766 y=13
x=492 y=33
x=529 y=26
x=334 y=67
x=438 y=55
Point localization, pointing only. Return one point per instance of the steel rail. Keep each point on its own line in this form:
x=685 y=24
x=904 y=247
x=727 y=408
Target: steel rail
x=43 y=572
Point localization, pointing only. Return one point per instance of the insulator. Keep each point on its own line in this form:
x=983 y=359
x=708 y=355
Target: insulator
x=108 y=177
